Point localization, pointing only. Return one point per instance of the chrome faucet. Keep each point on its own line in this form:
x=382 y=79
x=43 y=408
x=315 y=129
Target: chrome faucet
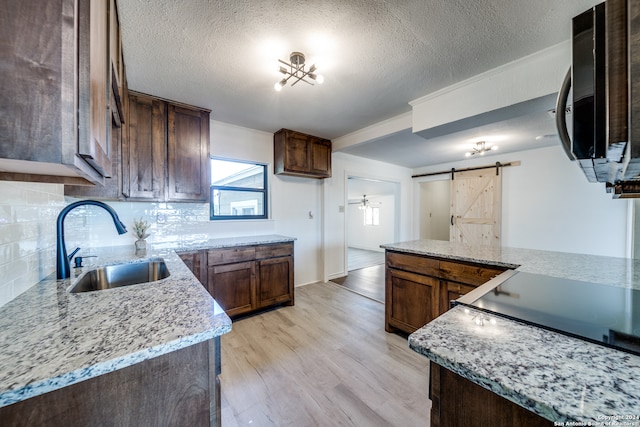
x=62 y=260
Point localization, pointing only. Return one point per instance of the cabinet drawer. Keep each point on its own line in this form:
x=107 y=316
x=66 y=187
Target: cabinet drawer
x=470 y=274
x=413 y=263
x=228 y=255
x=274 y=251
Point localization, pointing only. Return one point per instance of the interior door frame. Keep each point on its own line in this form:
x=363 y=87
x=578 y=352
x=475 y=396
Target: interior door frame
x=397 y=202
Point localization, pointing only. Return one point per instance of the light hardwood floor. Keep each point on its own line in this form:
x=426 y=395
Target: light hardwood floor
x=326 y=361
x=368 y=281
x=361 y=258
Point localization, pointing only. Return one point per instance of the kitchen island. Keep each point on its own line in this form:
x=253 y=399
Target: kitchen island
x=131 y=355
x=490 y=372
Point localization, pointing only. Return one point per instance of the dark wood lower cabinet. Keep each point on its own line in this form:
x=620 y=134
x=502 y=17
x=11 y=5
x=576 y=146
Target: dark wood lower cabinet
x=233 y=286
x=245 y=279
x=180 y=388
x=457 y=402
x=403 y=293
x=275 y=281
x=419 y=288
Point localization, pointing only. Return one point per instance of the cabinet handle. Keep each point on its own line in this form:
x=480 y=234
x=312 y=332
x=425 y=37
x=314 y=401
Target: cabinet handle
x=451 y=219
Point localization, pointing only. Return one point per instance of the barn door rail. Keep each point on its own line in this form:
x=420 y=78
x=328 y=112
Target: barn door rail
x=452 y=171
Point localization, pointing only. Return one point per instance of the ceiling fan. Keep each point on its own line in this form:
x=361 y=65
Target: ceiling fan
x=364 y=202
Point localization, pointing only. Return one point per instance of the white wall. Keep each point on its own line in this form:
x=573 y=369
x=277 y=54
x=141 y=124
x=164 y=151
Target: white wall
x=335 y=205
x=370 y=237
x=548 y=204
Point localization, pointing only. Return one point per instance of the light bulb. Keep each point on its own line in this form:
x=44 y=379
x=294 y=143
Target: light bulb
x=495 y=147
x=320 y=79
x=279 y=85
x=467 y=154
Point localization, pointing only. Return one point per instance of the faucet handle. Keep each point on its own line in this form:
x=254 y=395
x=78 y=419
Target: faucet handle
x=73 y=253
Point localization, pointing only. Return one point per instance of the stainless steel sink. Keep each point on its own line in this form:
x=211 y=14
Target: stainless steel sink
x=114 y=276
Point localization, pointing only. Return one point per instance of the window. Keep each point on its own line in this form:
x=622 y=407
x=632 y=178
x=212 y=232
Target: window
x=238 y=190
x=372 y=216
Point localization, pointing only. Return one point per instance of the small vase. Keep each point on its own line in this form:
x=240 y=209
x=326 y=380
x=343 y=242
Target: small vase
x=141 y=245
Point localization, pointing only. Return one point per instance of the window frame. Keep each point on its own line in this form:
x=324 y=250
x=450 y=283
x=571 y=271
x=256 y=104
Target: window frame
x=264 y=190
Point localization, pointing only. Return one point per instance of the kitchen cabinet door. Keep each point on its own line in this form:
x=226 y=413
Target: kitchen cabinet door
x=233 y=286
x=54 y=118
x=275 y=281
x=188 y=154
x=144 y=150
x=320 y=162
x=411 y=300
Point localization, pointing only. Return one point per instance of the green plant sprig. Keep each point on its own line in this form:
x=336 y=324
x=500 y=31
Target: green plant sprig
x=140 y=227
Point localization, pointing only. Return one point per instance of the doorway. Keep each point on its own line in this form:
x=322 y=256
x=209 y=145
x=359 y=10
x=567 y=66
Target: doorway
x=434 y=214
x=370 y=220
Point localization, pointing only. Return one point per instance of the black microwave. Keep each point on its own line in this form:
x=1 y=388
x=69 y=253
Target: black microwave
x=604 y=58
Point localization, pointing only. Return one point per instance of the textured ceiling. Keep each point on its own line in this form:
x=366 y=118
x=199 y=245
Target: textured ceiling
x=376 y=55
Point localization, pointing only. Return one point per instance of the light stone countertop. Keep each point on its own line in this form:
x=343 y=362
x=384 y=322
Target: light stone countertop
x=195 y=243
x=558 y=377
x=52 y=338
x=553 y=375
x=604 y=270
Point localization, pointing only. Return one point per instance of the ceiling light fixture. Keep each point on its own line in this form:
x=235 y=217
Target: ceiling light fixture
x=297 y=71
x=364 y=203
x=480 y=148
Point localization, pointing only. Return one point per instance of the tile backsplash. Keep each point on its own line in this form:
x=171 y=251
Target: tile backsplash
x=28 y=213
x=170 y=224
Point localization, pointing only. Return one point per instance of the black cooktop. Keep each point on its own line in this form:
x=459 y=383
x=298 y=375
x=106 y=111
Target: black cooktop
x=607 y=315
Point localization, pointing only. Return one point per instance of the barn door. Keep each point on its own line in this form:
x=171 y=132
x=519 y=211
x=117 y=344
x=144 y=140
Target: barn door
x=475 y=207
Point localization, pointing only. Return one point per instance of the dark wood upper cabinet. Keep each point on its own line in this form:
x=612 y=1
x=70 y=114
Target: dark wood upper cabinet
x=188 y=154
x=144 y=150
x=94 y=109
x=299 y=154
x=55 y=115
x=166 y=152
x=163 y=153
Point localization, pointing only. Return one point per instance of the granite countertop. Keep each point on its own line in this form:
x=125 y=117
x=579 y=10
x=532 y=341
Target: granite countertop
x=195 y=243
x=555 y=376
x=52 y=338
x=605 y=270
x=558 y=377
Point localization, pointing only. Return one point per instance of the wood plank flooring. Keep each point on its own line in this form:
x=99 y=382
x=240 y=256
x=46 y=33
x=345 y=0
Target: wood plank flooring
x=326 y=361
x=365 y=273
x=367 y=281
x=361 y=258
